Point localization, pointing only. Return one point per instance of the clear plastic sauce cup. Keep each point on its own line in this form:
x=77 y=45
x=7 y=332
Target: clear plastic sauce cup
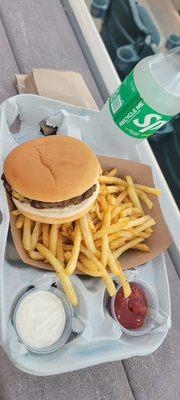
x=67 y=327
x=152 y=312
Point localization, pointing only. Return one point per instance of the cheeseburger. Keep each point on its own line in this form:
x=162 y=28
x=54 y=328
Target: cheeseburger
x=52 y=179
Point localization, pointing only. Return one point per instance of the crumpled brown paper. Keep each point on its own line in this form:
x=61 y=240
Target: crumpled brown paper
x=67 y=86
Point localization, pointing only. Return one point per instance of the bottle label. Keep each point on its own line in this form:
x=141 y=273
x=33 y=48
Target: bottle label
x=131 y=114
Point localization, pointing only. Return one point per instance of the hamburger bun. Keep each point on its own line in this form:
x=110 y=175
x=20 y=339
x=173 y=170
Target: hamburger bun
x=57 y=215
x=53 y=169
x=49 y=220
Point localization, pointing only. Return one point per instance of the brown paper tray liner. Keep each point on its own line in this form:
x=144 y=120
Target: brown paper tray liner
x=158 y=242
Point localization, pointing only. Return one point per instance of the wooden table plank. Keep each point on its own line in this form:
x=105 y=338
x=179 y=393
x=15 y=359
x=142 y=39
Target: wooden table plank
x=8 y=66
x=41 y=36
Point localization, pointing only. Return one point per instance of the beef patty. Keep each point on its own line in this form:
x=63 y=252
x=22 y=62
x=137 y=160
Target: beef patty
x=60 y=204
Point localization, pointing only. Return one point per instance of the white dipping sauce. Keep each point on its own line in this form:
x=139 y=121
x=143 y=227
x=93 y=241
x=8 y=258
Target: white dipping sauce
x=40 y=319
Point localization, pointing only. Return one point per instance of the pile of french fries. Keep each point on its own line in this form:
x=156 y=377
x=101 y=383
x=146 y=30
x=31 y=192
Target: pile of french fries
x=93 y=244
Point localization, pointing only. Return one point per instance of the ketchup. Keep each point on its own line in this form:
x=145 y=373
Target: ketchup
x=131 y=311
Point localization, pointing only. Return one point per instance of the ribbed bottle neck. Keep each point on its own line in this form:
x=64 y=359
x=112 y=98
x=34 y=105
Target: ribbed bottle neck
x=165 y=69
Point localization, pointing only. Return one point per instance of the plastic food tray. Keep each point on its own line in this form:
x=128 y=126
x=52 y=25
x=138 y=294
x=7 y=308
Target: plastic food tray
x=96 y=337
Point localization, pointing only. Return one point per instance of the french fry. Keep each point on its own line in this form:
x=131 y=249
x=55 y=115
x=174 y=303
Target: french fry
x=60 y=251
x=112 y=172
x=90 y=223
x=148 y=189
x=97 y=211
x=134 y=232
x=87 y=235
x=65 y=281
x=67 y=256
x=114 y=189
x=104 y=250
x=110 y=180
x=106 y=278
x=135 y=199
x=112 y=229
x=149 y=230
x=66 y=226
x=121 y=197
x=86 y=271
x=102 y=189
x=116 y=211
x=88 y=264
x=142 y=247
x=115 y=244
x=53 y=237
x=71 y=266
x=130 y=211
x=19 y=221
x=125 y=284
x=117 y=215
x=112 y=263
x=144 y=198
x=112 y=200
x=137 y=221
x=125 y=234
x=92 y=210
x=102 y=202
x=98 y=243
x=26 y=238
x=65 y=235
x=45 y=234
x=109 y=283
x=146 y=225
x=109 y=199
x=35 y=235
x=127 y=246
x=114 y=236
x=132 y=194
x=126 y=205
x=32 y=225
x=105 y=225
x=67 y=247
x=15 y=213
x=117 y=270
x=94 y=217
x=35 y=255
x=121 y=224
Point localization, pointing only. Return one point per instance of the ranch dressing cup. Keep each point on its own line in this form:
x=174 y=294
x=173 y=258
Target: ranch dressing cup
x=43 y=320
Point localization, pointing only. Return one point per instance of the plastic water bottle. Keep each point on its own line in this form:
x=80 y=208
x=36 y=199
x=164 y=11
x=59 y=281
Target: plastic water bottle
x=146 y=100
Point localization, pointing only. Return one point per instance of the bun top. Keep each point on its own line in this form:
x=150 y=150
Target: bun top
x=53 y=168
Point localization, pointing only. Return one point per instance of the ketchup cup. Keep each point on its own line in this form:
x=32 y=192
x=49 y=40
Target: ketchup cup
x=152 y=312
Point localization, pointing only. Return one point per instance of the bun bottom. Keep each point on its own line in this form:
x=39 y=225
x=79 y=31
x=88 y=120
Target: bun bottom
x=48 y=220
x=57 y=215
